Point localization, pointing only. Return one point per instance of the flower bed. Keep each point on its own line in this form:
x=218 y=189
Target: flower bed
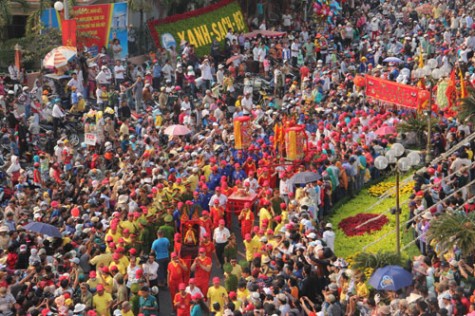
x=349 y=245
x=351 y=226
x=379 y=189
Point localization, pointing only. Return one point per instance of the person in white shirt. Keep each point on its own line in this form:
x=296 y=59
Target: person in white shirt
x=221 y=237
x=287 y=18
x=119 y=73
x=192 y=289
x=150 y=269
x=73 y=82
x=294 y=51
x=167 y=71
x=185 y=104
x=57 y=115
x=253 y=184
x=13 y=72
x=218 y=196
x=206 y=73
x=220 y=74
x=219 y=114
x=329 y=236
x=246 y=103
x=104 y=76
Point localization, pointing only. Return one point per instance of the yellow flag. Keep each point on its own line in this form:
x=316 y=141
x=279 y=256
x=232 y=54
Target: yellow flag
x=421 y=58
x=463 y=88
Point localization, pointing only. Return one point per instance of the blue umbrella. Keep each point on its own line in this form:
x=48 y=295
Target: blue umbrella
x=43 y=228
x=390 y=278
x=392 y=60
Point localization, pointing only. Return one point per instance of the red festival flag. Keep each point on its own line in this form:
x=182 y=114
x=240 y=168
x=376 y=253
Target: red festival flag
x=69 y=32
x=451 y=92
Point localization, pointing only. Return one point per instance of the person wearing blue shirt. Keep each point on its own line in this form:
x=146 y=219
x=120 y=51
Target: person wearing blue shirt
x=156 y=74
x=74 y=97
x=214 y=178
x=238 y=173
x=226 y=170
x=239 y=157
x=204 y=198
x=160 y=247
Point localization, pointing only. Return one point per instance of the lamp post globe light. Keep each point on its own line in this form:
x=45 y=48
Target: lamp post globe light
x=395 y=157
x=60 y=6
x=432 y=73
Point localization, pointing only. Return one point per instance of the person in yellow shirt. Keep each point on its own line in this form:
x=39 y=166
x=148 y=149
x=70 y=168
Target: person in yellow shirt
x=194 y=179
x=113 y=232
x=128 y=224
x=264 y=213
x=101 y=260
x=252 y=246
x=93 y=280
x=469 y=151
x=233 y=298
x=116 y=262
x=278 y=224
x=102 y=301
x=242 y=292
x=207 y=171
x=106 y=279
x=179 y=185
x=216 y=294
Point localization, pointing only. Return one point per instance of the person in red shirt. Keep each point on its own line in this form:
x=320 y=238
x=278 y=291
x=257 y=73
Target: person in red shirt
x=206 y=222
x=182 y=301
x=177 y=243
x=246 y=219
x=207 y=245
x=249 y=165
x=304 y=71
x=202 y=268
x=37 y=175
x=56 y=172
x=177 y=273
x=217 y=213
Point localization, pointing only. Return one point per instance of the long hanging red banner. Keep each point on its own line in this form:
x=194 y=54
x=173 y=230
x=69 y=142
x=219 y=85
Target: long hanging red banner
x=69 y=28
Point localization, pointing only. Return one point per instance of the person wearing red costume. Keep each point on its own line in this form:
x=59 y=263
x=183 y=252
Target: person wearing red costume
x=217 y=213
x=264 y=177
x=207 y=244
x=37 y=175
x=249 y=165
x=177 y=243
x=177 y=273
x=206 y=222
x=202 y=268
x=182 y=301
x=246 y=218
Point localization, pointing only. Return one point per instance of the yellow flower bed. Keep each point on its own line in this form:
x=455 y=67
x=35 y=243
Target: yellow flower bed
x=379 y=189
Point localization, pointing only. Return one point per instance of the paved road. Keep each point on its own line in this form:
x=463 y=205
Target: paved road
x=164 y=295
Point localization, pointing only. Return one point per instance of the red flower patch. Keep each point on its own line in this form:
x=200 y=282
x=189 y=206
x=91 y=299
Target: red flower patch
x=352 y=225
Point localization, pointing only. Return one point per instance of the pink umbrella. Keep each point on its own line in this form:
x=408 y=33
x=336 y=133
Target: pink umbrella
x=385 y=130
x=177 y=130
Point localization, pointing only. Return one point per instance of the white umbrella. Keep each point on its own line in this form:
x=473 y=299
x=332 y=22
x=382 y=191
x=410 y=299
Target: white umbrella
x=59 y=56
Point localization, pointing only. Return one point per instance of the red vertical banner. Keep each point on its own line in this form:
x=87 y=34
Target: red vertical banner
x=69 y=32
x=17 y=58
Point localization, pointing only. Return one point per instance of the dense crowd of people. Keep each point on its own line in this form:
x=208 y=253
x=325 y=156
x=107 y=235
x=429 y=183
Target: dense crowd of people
x=134 y=210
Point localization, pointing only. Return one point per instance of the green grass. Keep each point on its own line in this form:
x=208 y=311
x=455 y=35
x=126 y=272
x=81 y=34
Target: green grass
x=348 y=246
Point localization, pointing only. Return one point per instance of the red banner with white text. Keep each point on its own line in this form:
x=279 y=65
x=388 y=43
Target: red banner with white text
x=392 y=92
